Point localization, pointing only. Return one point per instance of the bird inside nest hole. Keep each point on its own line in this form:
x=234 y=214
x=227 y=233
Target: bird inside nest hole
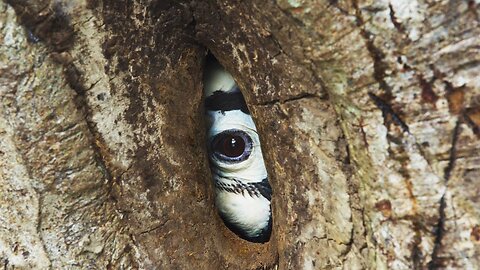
x=242 y=190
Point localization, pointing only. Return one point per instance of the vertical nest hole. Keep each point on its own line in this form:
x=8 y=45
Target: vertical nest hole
x=242 y=191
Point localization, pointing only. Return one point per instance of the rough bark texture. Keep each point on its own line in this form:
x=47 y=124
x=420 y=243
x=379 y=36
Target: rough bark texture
x=368 y=112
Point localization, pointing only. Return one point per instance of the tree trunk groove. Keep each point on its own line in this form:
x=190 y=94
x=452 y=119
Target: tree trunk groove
x=368 y=113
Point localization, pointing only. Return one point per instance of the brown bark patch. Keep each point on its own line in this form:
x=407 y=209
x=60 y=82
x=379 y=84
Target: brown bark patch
x=428 y=95
x=455 y=99
x=475 y=235
x=385 y=207
x=474 y=115
x=46 y=21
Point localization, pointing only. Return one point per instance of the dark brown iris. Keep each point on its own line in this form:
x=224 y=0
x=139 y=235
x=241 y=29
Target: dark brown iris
x=230 y=145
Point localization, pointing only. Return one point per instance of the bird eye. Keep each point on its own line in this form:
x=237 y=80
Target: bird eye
x=232 y=146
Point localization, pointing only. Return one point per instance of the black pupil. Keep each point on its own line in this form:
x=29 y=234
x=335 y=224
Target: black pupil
x=231 y=146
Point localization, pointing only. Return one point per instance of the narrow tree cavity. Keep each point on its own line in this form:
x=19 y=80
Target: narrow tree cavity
x=242 y=190
x=368 y=115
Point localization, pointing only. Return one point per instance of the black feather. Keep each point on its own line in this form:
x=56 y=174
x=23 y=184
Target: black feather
x=226 y=101
x=264 y=188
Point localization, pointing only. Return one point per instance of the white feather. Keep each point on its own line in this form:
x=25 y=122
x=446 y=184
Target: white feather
x=252 y=214
x=219 y=79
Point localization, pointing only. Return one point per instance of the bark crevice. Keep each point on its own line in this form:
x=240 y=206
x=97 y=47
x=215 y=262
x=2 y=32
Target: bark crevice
x=104 y=103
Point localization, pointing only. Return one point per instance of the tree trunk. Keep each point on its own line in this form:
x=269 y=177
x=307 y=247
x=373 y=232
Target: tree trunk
x=368 y=113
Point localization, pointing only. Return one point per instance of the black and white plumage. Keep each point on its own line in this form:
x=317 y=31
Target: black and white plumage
x=243 y=193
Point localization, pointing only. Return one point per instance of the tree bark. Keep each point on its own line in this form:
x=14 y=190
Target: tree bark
x=368 y=113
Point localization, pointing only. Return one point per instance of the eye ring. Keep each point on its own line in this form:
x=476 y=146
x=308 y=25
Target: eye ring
x=231 y=146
